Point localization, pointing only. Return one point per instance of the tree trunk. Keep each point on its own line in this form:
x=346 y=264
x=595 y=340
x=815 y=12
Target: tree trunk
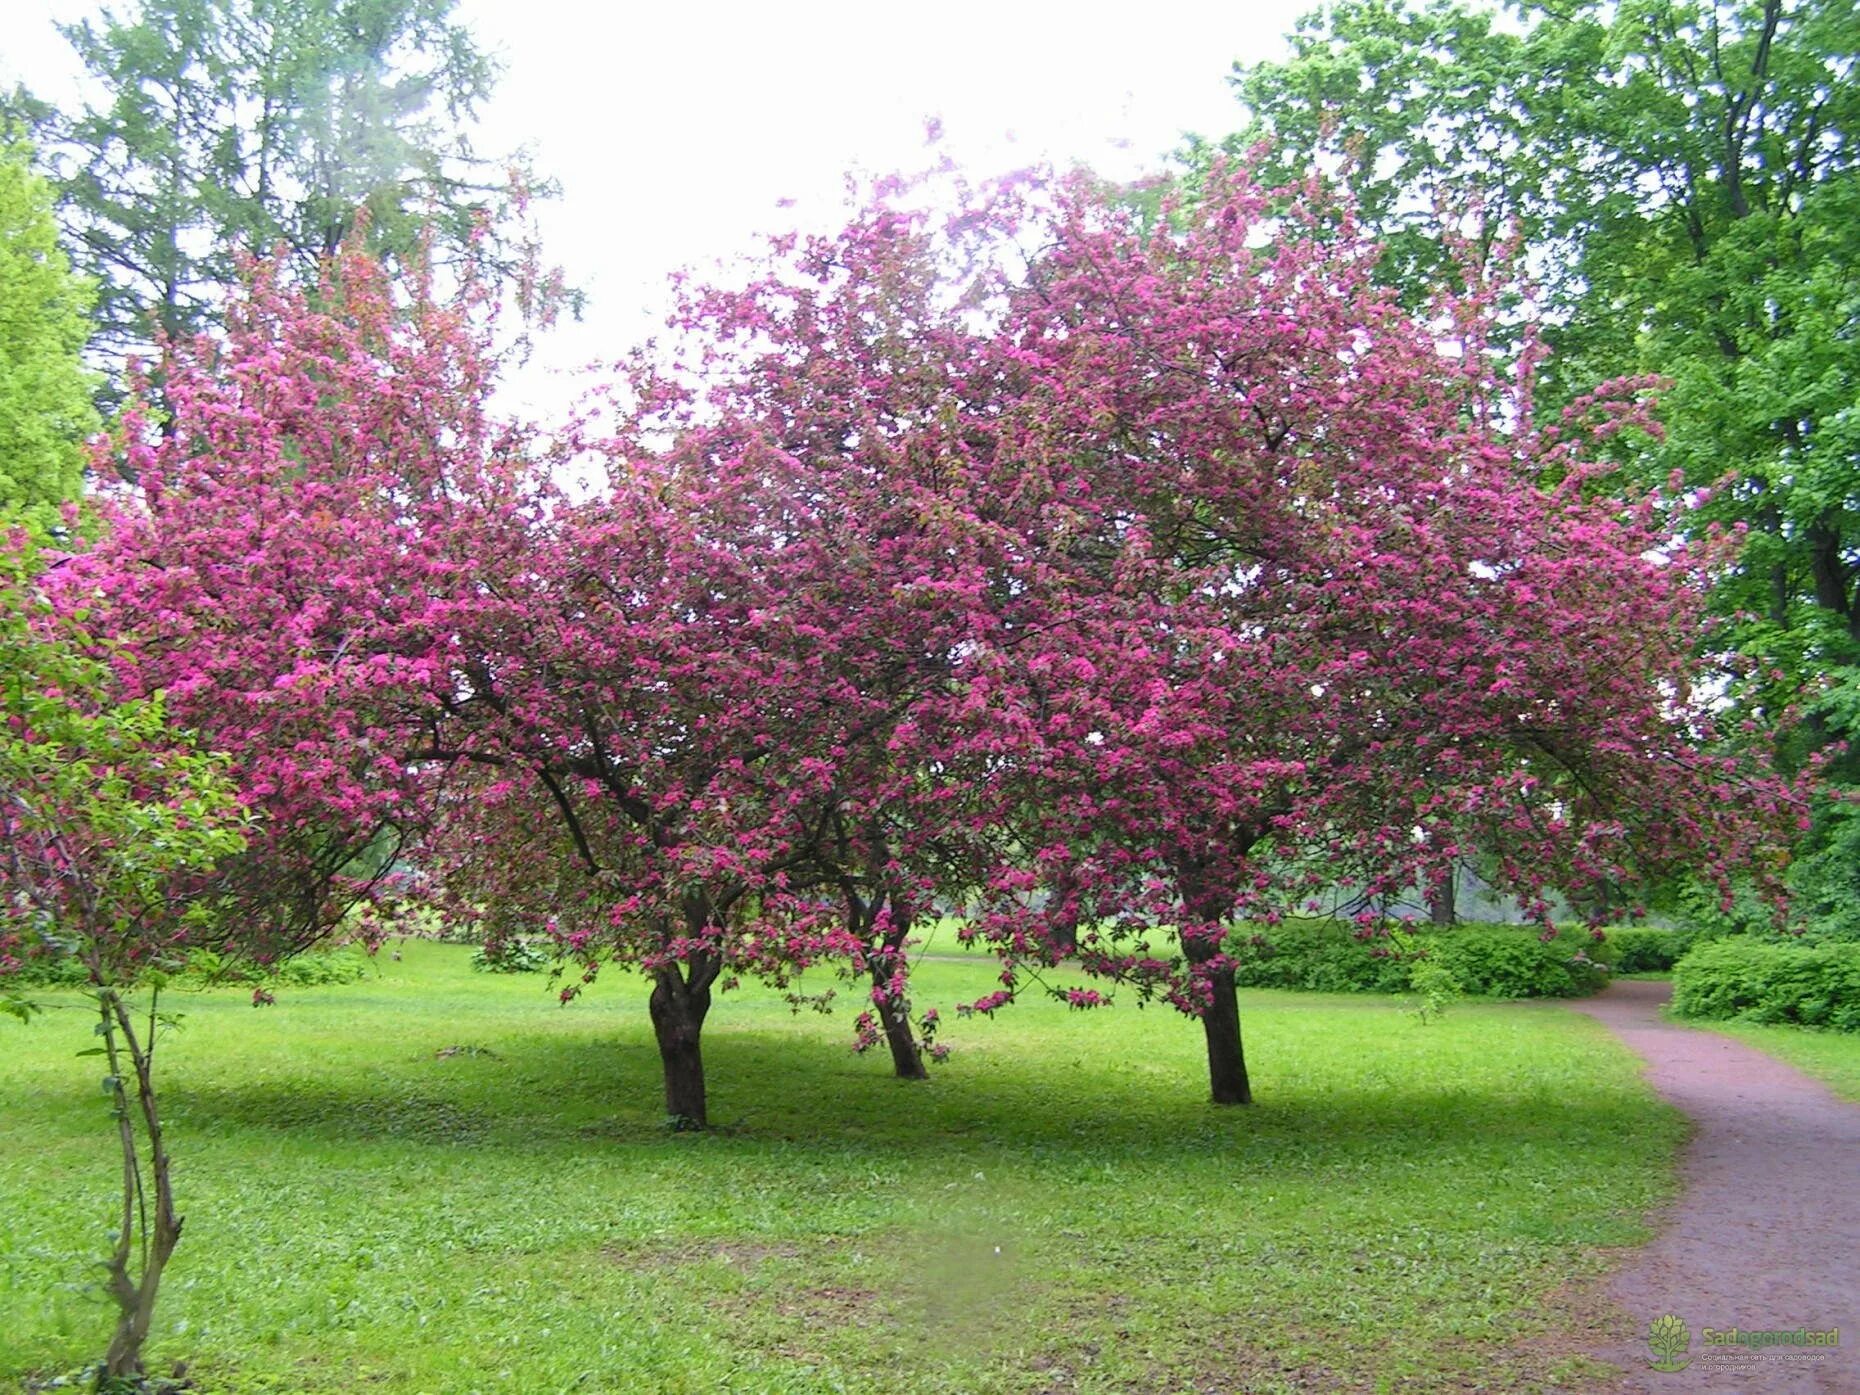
x=1227 y=1082
x=894 y=1014
x=678 y=1006
x=894 y=1009
x=1220 y=1021
x=1443 y=898
x=135 y=1296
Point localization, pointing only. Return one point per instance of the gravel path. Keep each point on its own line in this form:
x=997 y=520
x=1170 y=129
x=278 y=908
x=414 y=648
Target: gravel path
x=1766 y=1234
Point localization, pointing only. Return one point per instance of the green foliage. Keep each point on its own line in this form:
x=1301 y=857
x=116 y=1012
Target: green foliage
x=1642 y=949
x=1436 y=985
x=251 y=124
x=451 y=1217
x=45 y=409
x=1685 y=179
x=1770 y=982
x=1826 y=879
x=1501 y=962
x=518 y=954
x=54 y=967
x=1318 y=956
x=203 y=968
x=108 y=819
x=311 y=969
x=1498 y=961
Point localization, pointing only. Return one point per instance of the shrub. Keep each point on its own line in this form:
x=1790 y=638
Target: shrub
x=517 y=955
x=1436 y=988
x=1644 y=949
x=1317 y=956
x=344 y=965
x=311 y=969
x=50 y=971
x=1498 y=961
x=1640 y=949
x=1515 y=961
x=204 y=968
x=1816 y=985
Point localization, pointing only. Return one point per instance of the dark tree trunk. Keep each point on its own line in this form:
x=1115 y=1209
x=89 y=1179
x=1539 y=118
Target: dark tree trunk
x=1063 y=918
x=907 y=1060
x=1443 y=899
x=894 y=1009
x=1227 y=1082
x=1220 y=1022
x=680 y=1000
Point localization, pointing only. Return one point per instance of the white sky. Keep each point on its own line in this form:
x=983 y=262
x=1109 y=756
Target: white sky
x=675 y=130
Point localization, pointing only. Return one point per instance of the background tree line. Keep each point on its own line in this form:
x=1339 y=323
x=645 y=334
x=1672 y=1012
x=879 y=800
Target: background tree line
x=1681 y=175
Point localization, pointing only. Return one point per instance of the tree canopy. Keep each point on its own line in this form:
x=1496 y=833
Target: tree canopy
x=1684 y=181
x=1165 y=580
x=45 y=408
x=243 y=125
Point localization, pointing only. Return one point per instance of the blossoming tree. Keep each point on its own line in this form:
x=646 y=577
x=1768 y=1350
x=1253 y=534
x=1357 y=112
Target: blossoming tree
x=1356 y=608
x=1114 y=577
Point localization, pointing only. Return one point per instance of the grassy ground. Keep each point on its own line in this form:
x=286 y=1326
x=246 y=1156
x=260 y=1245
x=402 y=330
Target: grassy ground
x=1830 y=1056
x=1059 y=1209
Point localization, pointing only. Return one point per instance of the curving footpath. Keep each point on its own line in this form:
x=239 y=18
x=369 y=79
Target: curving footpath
x=1765 y=1237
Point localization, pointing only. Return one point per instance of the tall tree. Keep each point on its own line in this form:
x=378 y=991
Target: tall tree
x=45 y=409
x=242 y=125
x=1341 y=628
x=1686 y=178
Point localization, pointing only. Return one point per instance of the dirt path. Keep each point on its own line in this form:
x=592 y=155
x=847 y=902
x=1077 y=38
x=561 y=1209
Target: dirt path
x=1767 y=1232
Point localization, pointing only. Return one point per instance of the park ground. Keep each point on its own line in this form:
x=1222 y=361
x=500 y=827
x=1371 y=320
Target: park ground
x=439 y=1180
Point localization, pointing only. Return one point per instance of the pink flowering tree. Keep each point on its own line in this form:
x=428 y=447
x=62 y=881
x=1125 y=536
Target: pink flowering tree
x=1115 y=578
x=800 y=544
x=1355 y=610
x=627 y=714
x=301 y=546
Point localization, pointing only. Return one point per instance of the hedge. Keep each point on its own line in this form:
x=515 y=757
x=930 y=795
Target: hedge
x=1499 y=961
x=1762 y=980
x=1643 y=949
x=312 y=968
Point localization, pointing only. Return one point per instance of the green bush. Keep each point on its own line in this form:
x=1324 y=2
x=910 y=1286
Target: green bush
x=1814 y=985
x=1497 y=961
x=517 y=955
x=1643 y=949
x=319 y=967
x=1515 y=961
x=311 y=969
x=1317 y=956
x=52 y=971
x=308 y=970
x=1640 y=949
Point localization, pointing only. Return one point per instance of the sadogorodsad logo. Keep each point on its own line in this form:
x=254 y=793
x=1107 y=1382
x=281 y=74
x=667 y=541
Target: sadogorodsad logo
x=1670 y=1340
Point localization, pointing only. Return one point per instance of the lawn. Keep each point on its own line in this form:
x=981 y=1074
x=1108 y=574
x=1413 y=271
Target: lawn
x=440 y=1181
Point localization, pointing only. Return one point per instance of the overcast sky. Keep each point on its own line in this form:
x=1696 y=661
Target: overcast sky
x=678 y=130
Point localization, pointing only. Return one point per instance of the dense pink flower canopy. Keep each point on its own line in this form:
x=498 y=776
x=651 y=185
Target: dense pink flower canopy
x=1085 y=567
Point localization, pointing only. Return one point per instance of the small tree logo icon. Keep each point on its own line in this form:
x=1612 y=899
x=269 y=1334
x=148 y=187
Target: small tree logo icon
x=1669 y=1338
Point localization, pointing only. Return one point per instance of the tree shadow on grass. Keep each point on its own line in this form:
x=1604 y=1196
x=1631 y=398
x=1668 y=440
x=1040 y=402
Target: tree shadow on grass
x=772 y=1090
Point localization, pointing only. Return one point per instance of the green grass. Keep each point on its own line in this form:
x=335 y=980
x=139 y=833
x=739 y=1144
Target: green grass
x=1058 y=1209
x=1830 y=1056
